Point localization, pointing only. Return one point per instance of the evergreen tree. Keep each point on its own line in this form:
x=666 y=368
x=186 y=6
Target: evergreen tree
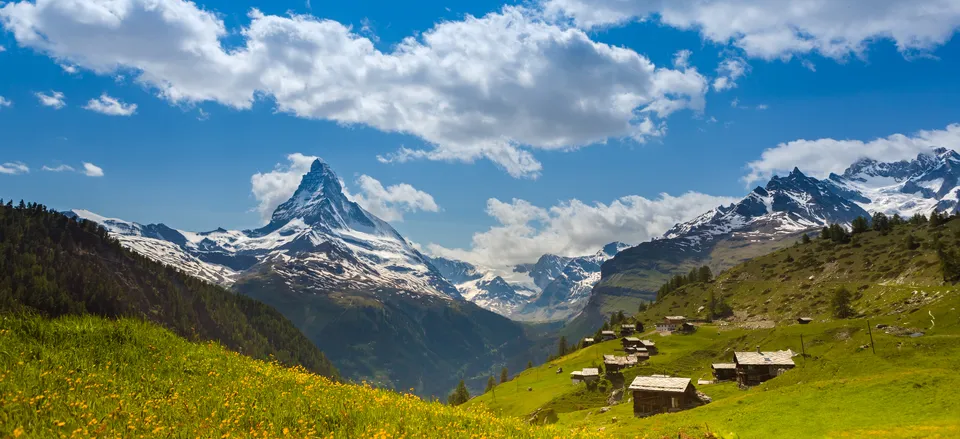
x=911 y=242
x=704 y=274
x=825 y=233
x=805 y=239
x=642 y=307
x=490 y=384
x=918 y=219
x=621 y=318
x=881 y=223
x=460 y=395
x=562 y=346
x=841 y=303
x=897 y=220
x=529 y=364
x=949 y=264
x=503 y=376
x=860 y=225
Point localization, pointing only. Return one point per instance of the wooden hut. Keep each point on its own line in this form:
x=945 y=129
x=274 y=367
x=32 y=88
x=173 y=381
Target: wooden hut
x=626 y=330
x=724 y=371
x=588 y=341
x=608 y=335
x=614 y=364
x=630 y=342
x=650 y=346
x=804 y=320
x=641 y=354
x=590 y=374
x=659 y=394
x=756 y=367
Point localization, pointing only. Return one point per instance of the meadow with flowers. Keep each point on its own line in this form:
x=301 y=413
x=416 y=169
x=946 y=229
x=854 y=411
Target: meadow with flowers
x=93 y=377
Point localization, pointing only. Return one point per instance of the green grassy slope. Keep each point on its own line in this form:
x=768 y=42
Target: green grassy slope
x=54 y=265
x=839 y=390
x=92 y=377
x=882 y=273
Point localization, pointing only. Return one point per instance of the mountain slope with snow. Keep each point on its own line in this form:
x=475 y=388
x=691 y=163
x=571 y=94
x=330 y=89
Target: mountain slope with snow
x=378 y=308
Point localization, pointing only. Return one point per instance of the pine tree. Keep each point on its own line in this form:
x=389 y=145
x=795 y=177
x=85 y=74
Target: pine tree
x=704 y=274
x=881 y=223
x=805 y=239
x=562 y=346
x=529 y=364
x=642 y=307
x=504 y=377
x=490 y=384
x=860 y=225
x=897 y=220
x=459 y=396
x=841 y=303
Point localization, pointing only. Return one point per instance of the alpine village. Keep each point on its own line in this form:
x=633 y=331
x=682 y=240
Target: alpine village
x=715 y=219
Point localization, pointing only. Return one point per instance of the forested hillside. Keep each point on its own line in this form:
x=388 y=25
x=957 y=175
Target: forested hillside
x=55 y=265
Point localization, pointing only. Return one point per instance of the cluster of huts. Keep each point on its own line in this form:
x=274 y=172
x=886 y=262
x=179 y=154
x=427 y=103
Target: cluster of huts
x=663 y=394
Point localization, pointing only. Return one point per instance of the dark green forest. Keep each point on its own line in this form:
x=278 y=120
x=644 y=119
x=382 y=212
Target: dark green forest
x=54 y=265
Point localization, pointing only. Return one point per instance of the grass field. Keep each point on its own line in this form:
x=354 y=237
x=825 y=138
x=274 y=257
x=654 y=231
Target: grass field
x=905 y=390
x=90 y=377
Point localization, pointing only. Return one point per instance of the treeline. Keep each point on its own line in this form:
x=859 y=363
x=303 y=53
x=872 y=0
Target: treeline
x=948 y=255
x=696 y=275
x=55 y=265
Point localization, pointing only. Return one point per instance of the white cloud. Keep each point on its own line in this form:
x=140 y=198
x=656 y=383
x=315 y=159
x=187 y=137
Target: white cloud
x=4 y=102
x=14 y=168
x=3 y=49
x=730 y=70
x=202 y=115
x=270 y=189
x=681 y=59
x=573 y=228
x=391 y=202
x=809 y=65
x=821 y=157
x=735 y=103
x=493 y=87
x=110 y=106
x=772 y=29
x=73 y=70
x=54 y=99
x=59 y=168
x=92 y=170
x=762 y=107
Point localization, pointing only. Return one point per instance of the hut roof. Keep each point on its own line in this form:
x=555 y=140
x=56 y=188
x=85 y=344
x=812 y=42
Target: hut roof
x=723 y=366
x=608 y=333
x=633 y=339
x=675 y=318
x=660 y=384
x=775 y=358
x=647 y=343
x=576 y=373
x=613 y=359
x=590 y=372
x=588 y=340
x=628 y=326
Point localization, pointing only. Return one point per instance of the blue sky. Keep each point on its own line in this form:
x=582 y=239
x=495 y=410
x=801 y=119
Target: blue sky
x=207 y=119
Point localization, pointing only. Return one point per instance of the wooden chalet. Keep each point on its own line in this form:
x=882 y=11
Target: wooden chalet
x=626 y=330
x=671 y=323
x=630 y=342
x=724 y=371
x=650 y=346
x=661 y=394
x=640 y=353
x=614 y=364
x=756 y=367
x=608 y=335
x=586 y=375
x=588 y=341
x=804 y=320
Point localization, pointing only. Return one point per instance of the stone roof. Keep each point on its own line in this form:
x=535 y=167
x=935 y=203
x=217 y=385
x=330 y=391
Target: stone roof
x=633 y=339
x=723 y=366
x=675 y=318
x=647 y=343
x=588 y=340
x=660 y=384
x=775 y=358
x=608 y=333
x=590 y=371
x=613 y=359
x=628 y=326
x=576 y=373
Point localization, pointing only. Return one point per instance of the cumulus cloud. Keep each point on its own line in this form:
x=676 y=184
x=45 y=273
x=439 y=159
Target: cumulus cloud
x=574 y=228
x=271 y=189
x=494 y=87
x=14 y=168
x=54 y=99
x=772 y=29
x=58 y=168
x=3 y=49
x=821 y=157
x=391 y=202
x=73 y=70
x=110 y=106
x=730 y=70
x=681 y=59
x=92 y=170
x=4 y=102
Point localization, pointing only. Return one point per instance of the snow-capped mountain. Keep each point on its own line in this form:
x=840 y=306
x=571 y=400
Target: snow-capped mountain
x=553 y=288
x=318 y=237
x=931 y=181
x=786 y=205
